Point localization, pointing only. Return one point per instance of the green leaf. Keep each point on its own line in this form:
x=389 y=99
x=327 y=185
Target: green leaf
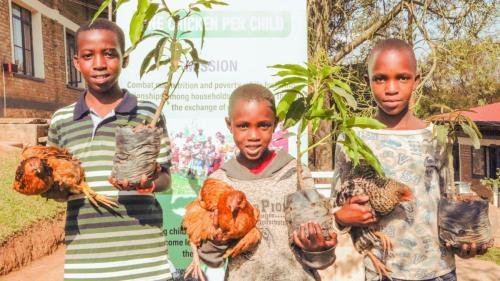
x=157 y=65
x=146 y=62
x=328 y=70
x=137 y=21
x=297 y=89
x=151 y=11
x=295 y=112
x=196 y=59
x=103 y=6
x=340 y=106
x=343 y=85
x=203 y=32
x=285 y=104
x=368 y=155
x=288 y=81
x=440 y=133
x=350 y=100
x=294 y=69
x=160 y=47
x=194 y=8
x=189 y=42
x=468 y=130
x=364 y=122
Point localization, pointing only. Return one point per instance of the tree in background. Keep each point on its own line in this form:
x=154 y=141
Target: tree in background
x=466 y=75
x=347 y=29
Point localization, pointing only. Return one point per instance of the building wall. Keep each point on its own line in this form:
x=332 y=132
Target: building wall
x=491 y=162
x=39 y=97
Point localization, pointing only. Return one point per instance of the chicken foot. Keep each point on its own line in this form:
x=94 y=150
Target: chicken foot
x=194 y=268
x=97 y=199
x=386 y=242
x=380 y=267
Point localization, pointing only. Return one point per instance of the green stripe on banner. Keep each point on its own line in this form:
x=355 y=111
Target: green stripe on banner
x=178 y=247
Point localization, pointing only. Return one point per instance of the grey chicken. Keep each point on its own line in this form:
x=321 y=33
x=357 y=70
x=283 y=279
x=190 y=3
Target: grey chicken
x=384 y=195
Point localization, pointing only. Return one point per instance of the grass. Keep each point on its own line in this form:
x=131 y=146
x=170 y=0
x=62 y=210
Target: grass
x=18 y=211
x=492 y=255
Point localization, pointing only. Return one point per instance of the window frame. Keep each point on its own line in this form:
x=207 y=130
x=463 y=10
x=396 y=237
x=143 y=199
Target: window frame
x=27 y=21
x=74 y=77
x=481 y=157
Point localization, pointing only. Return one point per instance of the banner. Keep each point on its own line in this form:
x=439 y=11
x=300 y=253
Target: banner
x=242 y=40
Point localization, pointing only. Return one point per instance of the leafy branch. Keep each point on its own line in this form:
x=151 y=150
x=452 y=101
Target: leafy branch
x=447 y=126
x=182 y=52
x=305 y=89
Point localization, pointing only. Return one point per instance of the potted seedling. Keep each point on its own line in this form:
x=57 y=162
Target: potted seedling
x=305 y=90
x=462 y=217
x=137 y=148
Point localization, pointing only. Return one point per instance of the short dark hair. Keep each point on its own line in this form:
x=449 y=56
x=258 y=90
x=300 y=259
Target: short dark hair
x=102 y=23
x=249 y=92
x=391 y=44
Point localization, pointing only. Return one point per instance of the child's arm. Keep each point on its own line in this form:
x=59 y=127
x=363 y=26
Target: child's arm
x=354 y=212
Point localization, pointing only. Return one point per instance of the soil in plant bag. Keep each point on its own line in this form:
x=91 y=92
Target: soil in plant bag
x=136 y=153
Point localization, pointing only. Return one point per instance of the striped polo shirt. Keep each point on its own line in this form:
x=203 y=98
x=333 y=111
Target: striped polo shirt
x=126 y=243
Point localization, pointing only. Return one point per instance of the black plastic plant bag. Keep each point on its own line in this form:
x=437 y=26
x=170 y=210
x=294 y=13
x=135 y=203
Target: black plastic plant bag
x=135 y=154
x=464 y=221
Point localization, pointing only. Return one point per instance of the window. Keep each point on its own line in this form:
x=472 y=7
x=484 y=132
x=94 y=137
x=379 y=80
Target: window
x=23 y=41
x=74 y=77
x=479 y=162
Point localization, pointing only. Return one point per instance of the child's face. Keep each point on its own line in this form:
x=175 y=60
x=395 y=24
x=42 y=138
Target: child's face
x=252 y=124
x=99 y=59
x=393 y=79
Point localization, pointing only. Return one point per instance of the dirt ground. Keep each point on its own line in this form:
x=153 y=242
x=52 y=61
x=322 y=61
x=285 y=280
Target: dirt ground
x=51 y=268
x=40 y=240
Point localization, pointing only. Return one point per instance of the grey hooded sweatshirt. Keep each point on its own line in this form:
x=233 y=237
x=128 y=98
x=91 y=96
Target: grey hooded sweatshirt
x=274 y=258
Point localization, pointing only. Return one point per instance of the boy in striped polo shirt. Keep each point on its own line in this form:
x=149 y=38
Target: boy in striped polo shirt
x=126 y=243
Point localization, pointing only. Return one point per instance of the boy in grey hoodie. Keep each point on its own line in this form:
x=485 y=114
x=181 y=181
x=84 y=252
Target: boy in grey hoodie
x=266 y=177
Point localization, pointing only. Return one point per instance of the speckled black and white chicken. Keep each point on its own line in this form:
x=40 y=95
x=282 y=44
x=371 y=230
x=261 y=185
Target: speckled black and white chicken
x=384 y=195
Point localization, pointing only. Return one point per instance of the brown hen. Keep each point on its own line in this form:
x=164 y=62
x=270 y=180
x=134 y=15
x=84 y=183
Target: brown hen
x=224 y=214
x=50 y=169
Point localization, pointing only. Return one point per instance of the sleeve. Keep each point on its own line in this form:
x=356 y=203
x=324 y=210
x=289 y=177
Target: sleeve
x=164 y=158
x=212 y=254
x=53 y=135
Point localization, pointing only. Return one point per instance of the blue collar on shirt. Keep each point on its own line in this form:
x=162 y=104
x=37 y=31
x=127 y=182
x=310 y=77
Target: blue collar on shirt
x=126 y=106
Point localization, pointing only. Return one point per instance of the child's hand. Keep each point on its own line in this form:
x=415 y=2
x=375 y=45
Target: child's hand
x=467 y=251
x=314 y=241
x=145 y=185
x=355 y=213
